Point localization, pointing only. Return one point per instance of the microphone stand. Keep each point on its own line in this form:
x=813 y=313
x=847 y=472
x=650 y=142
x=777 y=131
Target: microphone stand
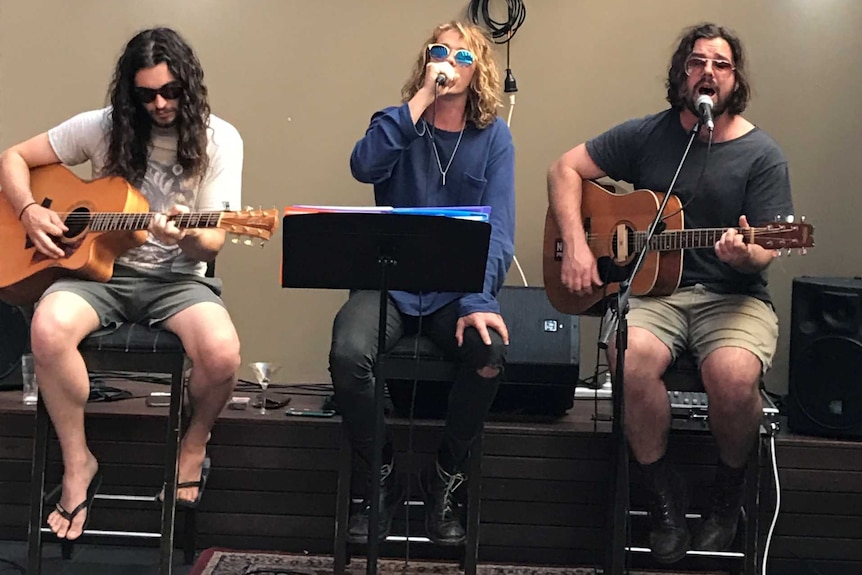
x=616 y=319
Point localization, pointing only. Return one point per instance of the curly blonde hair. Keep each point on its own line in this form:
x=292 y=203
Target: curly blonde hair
x=483 y=98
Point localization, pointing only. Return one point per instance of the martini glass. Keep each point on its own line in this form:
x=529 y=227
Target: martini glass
x=263 y=373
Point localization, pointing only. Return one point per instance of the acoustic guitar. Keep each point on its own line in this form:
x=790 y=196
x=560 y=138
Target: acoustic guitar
x=616 y=225
x=106 y=217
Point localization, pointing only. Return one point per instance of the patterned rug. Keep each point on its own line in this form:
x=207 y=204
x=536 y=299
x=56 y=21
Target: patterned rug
x=227 y=562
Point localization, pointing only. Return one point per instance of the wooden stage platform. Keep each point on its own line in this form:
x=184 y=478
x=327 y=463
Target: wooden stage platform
x=544 y=484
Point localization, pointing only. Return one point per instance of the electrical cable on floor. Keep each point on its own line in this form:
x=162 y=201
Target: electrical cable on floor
x=777 y=501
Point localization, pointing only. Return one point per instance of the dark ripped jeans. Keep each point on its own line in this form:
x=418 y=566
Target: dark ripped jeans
x=353 y=354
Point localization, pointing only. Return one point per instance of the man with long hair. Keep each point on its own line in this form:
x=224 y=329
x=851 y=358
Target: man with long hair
x=722 y=312
x=159 y=135
x=443 y=146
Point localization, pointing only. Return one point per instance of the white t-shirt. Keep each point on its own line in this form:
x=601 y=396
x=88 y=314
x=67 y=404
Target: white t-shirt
x=86 y=137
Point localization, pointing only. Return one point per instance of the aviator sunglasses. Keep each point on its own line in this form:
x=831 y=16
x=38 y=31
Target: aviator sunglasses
x=697 y=65
x=440 y=52
x=170 y=91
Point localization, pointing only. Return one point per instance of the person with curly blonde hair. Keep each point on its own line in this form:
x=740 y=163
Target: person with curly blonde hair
x=483 y=97
x=443 y=146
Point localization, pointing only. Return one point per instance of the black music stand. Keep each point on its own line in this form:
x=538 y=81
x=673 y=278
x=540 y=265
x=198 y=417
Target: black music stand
x=347 y=250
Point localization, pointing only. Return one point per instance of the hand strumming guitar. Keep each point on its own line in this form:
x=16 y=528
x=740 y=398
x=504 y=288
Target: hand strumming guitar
x=579 y=272
x=43 y=226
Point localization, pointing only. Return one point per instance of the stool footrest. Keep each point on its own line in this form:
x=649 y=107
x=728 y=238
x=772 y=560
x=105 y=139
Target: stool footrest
x=695 y=553
x=108 y=533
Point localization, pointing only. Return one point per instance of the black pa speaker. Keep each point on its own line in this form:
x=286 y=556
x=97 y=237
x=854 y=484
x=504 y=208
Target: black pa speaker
x=543 y=359
x=825 y=387
x=542 y=363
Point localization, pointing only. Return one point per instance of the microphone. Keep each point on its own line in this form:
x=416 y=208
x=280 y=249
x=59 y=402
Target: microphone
x=442 y=79
x=703 y=104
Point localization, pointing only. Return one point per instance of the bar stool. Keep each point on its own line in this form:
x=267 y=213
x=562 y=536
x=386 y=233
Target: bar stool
x=683 y=377
x=132 y=348
x=413 y=357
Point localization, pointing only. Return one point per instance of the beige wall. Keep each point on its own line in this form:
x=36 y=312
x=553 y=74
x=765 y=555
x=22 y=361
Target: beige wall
x=300 y=78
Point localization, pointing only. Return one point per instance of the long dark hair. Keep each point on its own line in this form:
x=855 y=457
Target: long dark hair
x=676 y=78
x=131 y=125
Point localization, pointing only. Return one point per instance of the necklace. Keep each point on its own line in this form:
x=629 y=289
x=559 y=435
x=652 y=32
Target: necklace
x=452 y=157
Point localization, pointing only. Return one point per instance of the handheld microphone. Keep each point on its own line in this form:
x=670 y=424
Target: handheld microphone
x=442 y=79
x=704 y=104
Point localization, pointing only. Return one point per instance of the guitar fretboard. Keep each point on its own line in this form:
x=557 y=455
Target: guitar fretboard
x=682 y=239
x=107 y=221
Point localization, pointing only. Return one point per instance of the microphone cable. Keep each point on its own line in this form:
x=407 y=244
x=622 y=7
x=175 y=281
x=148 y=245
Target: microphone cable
x=696 y=189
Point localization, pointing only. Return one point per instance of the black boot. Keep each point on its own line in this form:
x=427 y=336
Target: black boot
x=718 y=529
x=443 y=505
x=391 y=498
x=669 y=537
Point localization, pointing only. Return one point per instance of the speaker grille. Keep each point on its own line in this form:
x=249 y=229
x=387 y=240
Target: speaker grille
x=832 y=394
x=825 y=393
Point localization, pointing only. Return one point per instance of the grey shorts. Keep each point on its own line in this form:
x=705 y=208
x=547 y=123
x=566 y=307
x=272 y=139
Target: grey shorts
x=149 y=298
x=702 y=321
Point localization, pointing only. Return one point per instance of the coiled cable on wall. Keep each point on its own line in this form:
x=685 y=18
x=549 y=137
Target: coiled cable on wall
x=516 y=13
x=502 y=32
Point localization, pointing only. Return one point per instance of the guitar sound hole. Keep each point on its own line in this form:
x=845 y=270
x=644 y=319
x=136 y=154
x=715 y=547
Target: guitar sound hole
x=77 y=222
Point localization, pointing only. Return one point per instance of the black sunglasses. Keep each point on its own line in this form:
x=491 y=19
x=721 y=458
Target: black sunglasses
x=170 y=91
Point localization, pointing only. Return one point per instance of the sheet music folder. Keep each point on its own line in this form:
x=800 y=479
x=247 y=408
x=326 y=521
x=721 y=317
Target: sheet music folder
x=345 y=250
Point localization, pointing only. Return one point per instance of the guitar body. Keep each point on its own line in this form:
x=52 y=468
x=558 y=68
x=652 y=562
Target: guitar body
x=25 y=272
x=608 y=220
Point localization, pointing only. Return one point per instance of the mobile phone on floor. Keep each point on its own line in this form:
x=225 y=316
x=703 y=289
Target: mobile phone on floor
x=309 y=412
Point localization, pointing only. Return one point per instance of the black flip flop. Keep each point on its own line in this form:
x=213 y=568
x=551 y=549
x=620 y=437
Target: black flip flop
x=200 y=484
x=87 y=504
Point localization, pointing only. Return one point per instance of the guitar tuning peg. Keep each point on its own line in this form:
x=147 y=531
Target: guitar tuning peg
x=789 y=219
x=248 y=208
x=234 y=240
x=803 y=251
x=247 y=242
x=778 y=218
x=802 y=219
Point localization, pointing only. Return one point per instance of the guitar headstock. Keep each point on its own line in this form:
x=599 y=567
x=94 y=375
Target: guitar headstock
x=786 y=235
x=249 y=222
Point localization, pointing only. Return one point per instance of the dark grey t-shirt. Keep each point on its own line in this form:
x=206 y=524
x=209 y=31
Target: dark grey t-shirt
x=747 y=176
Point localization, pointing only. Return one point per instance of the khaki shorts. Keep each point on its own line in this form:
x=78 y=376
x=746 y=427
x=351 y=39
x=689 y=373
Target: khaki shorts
x=702 y=321
x=136 y=296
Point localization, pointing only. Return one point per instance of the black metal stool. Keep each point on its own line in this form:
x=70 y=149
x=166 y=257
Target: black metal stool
x=684 y=377
x=413 y=357
x=133 y=348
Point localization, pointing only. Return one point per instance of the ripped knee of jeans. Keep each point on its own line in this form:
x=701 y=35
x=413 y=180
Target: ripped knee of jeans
x=488 y=372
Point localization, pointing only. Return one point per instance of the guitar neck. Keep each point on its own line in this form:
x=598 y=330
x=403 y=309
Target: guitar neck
x=689 y=239
x=108 y=221
x=686 y=239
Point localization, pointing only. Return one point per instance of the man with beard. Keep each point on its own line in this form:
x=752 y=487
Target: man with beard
x=159 y=135
x=721 y=312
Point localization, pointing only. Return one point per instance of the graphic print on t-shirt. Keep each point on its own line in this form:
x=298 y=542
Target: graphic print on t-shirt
x=163 y=189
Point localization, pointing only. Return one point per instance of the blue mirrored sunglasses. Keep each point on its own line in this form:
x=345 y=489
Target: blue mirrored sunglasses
x=440 y=52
